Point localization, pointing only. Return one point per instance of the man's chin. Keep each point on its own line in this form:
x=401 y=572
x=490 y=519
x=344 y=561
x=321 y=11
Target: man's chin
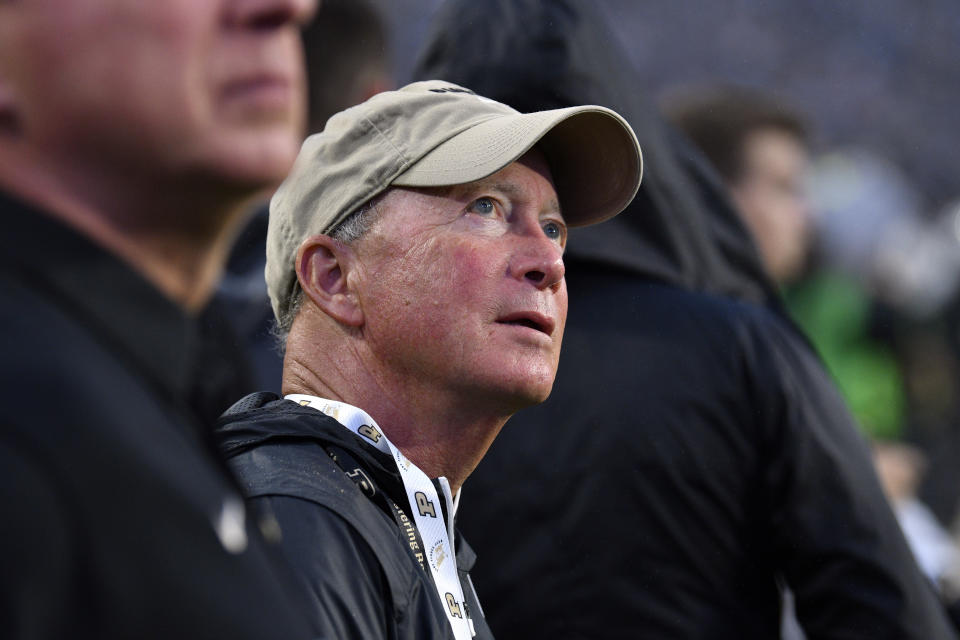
x=255 y=160
x=530 y=395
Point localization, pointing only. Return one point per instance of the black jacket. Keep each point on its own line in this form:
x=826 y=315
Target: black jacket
x=693 y=451
x=352 y=557
x=119 y=518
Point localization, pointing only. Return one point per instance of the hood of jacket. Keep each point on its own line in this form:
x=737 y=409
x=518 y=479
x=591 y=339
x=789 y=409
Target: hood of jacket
x=545 y=54
x=263 y=417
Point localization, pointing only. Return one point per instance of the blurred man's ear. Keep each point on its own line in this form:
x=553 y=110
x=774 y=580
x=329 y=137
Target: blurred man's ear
x=9 y=123
x=322 y=266
x=9 y=120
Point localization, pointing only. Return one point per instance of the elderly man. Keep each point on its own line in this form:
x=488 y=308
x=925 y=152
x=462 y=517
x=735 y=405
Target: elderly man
x=415 y=256
x=132 y=135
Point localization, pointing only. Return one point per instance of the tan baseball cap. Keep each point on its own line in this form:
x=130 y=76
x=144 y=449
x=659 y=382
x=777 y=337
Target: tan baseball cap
x=434 y=134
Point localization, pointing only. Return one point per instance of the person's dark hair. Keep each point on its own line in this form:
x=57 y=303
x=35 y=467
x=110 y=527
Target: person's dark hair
x=718 y=120
x=345 y=45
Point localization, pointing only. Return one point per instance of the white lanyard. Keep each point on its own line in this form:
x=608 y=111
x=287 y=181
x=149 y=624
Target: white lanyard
x=424 y=505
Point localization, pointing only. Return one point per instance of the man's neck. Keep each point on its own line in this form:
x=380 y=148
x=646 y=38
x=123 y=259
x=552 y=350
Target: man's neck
x=441 y=436
x=172 y=237
x=442 y=441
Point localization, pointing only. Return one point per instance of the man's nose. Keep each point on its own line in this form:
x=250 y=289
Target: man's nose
x=539 y=261
x=269 y=14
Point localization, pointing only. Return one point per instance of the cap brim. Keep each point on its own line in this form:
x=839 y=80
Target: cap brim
x=592 y=152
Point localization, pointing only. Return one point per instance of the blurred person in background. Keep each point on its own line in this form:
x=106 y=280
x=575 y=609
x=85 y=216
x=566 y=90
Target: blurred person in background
x=132 y=136
x=882 y=296
x=759 y=146
x=348 y=61
x=901 y=467
x=694 y=455
x=877 y=268
x=347 y=55
x=885 y=260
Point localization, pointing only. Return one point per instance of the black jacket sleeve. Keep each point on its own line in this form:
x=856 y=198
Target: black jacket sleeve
x=833 y=533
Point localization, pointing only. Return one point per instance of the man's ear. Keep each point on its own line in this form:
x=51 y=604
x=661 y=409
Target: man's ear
x=322 y=266
x=8 y=113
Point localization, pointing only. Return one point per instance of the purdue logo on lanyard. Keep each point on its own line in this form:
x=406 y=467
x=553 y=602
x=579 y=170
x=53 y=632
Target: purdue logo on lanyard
x=424 y=506
x=437 y=535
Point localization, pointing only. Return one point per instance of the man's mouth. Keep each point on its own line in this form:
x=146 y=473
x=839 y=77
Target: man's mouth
x=265 y=91
x=530 y=319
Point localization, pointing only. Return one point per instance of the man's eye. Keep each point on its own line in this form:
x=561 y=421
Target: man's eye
x=553 y=230
x=483 y=206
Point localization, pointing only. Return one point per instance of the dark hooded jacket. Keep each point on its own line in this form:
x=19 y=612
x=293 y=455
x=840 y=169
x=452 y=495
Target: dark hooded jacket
x=694 y=455
x=353 y=560
x=118 y=517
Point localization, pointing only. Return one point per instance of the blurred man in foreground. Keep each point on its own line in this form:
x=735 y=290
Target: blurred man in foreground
x=415 y=257
x=346 y=52
x=131 y=136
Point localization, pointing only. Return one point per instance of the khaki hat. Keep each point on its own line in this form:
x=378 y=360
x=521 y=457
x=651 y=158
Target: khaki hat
x=434 y=134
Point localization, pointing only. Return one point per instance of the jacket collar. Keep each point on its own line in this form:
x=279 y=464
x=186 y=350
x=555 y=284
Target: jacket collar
x=265 y=417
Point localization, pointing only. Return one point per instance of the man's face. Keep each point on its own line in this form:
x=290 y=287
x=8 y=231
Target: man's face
x=206 y=88
x=462 y=289
x=770 y=195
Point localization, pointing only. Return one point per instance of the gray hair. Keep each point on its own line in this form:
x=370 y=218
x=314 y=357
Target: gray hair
x=353 y=227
